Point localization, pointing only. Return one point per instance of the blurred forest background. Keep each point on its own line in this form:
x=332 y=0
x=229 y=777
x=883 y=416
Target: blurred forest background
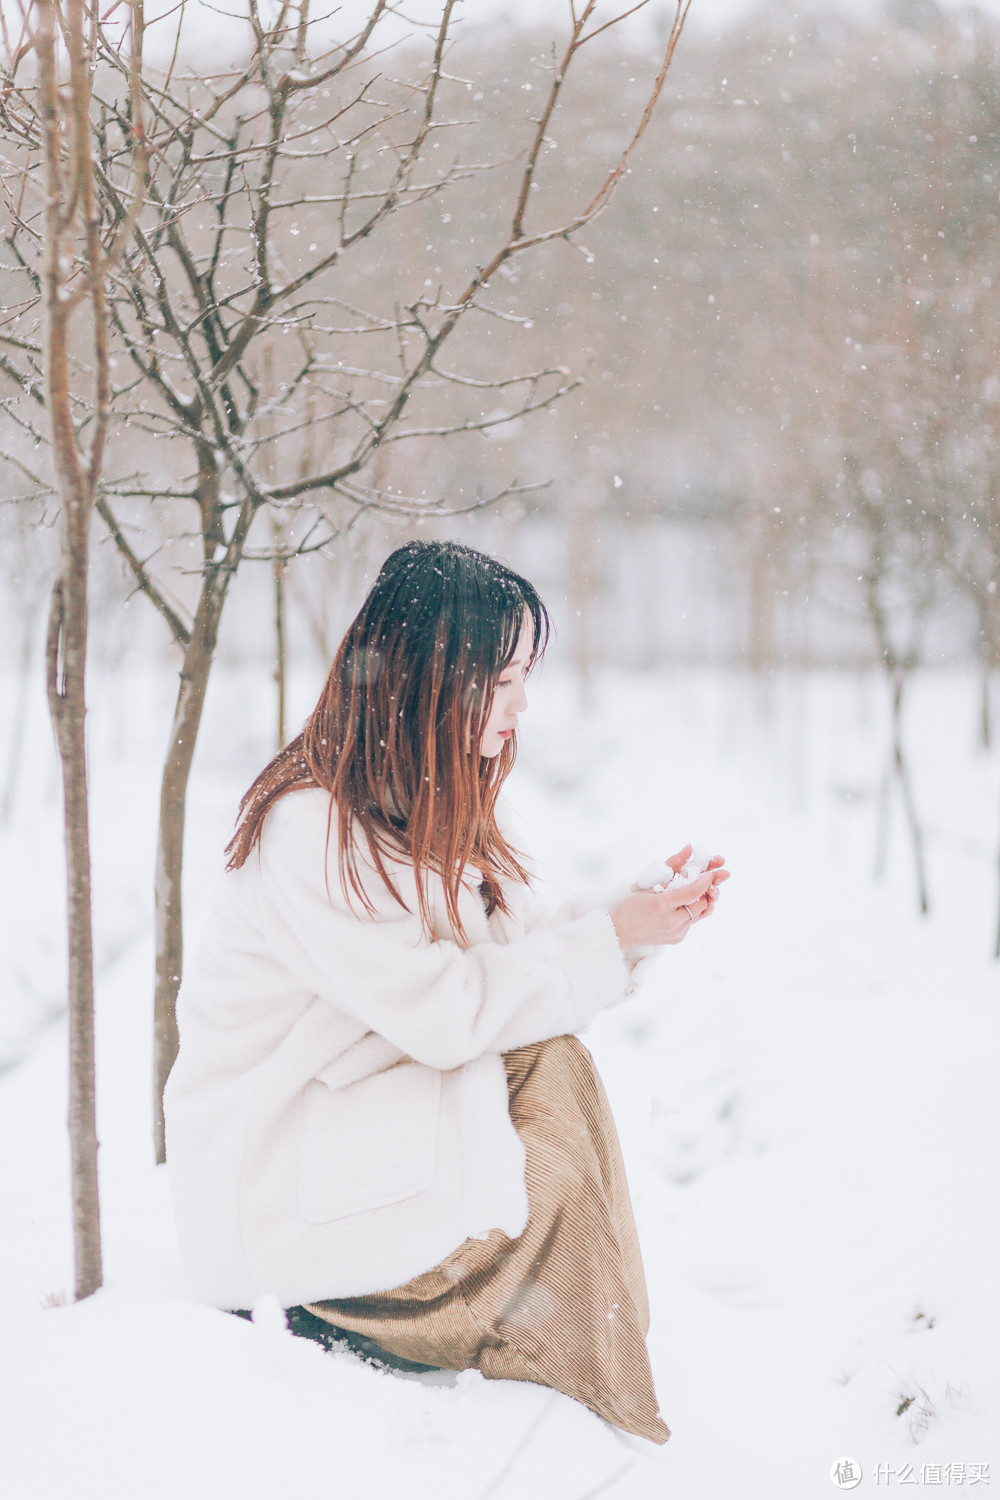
x=782 y=445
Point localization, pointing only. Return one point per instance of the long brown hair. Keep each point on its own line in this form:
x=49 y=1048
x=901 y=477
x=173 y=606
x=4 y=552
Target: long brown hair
x=395 y=735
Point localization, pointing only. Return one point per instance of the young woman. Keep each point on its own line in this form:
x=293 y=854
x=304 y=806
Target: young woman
x=380 y=1110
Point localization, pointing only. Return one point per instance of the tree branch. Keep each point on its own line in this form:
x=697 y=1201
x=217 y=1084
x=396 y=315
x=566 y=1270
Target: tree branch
x=143 y=580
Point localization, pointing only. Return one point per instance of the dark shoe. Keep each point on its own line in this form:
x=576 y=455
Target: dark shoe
x=305 y=1325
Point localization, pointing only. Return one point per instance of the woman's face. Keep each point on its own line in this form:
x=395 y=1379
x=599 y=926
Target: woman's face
x=509 y=699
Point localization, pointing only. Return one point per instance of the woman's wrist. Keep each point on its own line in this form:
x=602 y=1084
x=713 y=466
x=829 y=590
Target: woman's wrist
x=622 y=919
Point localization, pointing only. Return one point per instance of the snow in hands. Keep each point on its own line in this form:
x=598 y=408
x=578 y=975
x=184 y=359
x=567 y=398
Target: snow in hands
x=658 y=875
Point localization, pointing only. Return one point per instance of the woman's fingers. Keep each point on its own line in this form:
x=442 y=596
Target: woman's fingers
x=698 y=897
x=679 y=860
x=690 y=903
x=684 y=895
x=664 y=916
x=718 y=876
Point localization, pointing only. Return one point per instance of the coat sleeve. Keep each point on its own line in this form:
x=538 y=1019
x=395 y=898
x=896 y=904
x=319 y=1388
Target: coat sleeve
x=438 y=1002
x=539 y=917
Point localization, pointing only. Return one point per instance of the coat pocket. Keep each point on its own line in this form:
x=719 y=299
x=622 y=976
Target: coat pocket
x=368 y=1144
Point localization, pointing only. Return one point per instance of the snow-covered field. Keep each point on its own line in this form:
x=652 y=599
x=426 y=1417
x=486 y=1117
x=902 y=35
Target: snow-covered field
x=805 y=1090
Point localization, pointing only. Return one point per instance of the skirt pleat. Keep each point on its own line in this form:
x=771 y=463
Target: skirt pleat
x=563 y=1305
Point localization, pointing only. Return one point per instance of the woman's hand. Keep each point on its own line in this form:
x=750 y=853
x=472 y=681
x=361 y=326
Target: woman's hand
x=652 y=918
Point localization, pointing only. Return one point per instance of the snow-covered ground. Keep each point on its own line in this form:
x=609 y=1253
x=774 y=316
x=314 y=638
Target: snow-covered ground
x=805 y=1090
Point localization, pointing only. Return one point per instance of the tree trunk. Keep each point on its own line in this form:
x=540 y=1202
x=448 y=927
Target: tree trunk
x=280 y=649
x=65 y=660
x=195 y=671
x=281 y=663
x=278 y=539
x=69 y=202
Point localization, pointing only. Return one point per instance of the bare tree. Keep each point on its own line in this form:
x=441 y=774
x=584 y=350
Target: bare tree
x=75 y=263
x=267 y=370
x=888 y=483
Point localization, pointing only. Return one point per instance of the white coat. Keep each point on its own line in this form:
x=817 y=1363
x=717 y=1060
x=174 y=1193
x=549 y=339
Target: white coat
x=337 y=1118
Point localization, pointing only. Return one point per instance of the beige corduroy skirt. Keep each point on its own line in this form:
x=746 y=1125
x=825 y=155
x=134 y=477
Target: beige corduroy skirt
x=563 y=1305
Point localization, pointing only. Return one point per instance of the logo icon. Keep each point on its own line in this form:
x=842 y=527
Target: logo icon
x=846 y=1473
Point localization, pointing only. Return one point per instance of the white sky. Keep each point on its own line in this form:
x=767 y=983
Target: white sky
x=211 y=19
